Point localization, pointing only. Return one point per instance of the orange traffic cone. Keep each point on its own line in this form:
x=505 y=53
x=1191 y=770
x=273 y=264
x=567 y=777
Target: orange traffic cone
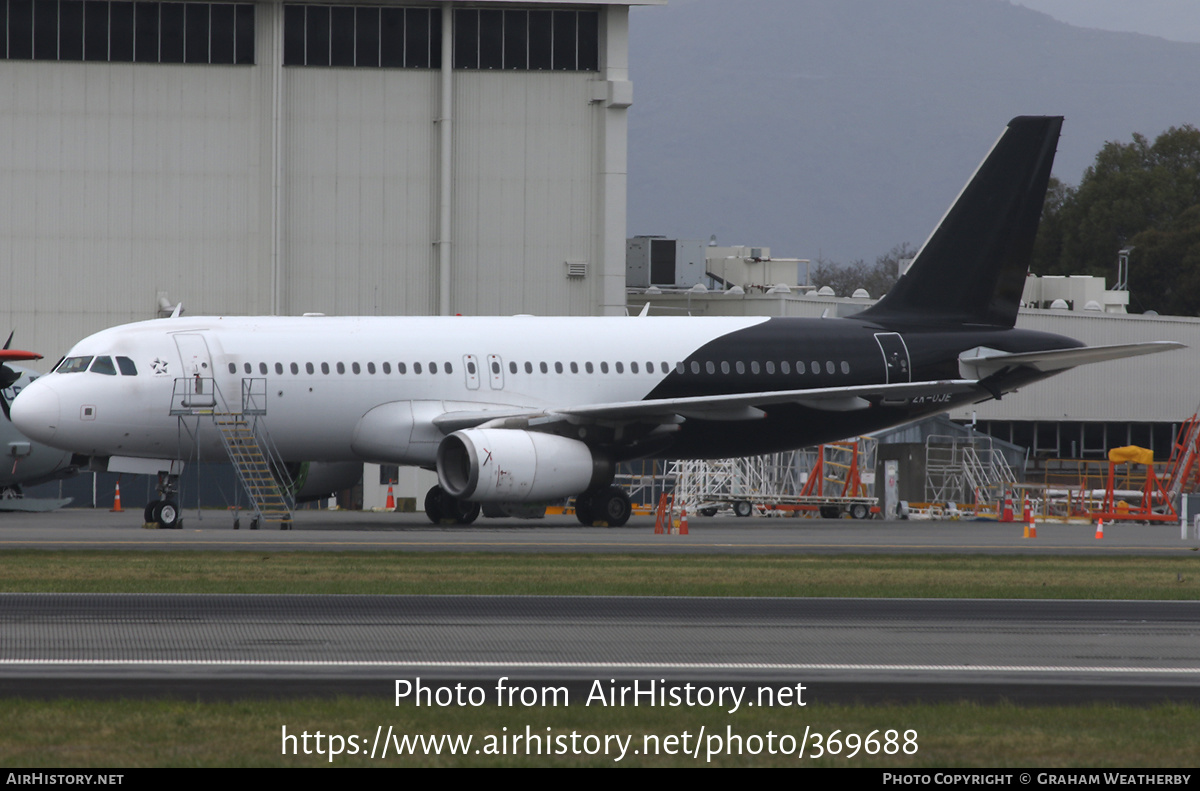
x=1007 y=514
x=683 y=530
x=391 y=500
x=1026 y=511
x=117 y=499
x=1100 y=528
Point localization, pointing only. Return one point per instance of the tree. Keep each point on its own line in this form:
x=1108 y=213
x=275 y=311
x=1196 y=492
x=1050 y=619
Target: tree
x=876 y=278
x=1131 y=189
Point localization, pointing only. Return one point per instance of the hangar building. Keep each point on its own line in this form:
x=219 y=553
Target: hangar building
x=347 y=158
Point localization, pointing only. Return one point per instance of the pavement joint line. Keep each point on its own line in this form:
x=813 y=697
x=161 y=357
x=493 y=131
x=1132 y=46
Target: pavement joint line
x=690 y=666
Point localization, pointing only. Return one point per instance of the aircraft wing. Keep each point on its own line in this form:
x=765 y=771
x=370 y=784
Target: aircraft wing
x=981 y=362
x=731 y=406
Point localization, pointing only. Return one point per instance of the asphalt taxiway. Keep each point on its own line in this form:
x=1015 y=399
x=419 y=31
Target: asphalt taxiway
x=366 y=531
x=223 y=646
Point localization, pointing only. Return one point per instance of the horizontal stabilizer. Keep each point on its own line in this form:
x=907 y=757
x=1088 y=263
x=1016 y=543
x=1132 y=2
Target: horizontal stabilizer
x=981 y=362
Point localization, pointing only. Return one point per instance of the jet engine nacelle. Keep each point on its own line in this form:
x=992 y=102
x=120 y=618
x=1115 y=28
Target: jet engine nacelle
x=493 y=465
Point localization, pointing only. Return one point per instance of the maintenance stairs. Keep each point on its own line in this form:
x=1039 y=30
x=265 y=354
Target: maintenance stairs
x=262 y=474
x=966 y=470
x=254 y=471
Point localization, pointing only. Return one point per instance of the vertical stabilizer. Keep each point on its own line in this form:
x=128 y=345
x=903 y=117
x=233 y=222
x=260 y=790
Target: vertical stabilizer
x=972 y=268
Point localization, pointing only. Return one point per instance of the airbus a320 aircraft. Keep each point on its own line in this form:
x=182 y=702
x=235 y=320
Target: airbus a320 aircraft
x=524 y=409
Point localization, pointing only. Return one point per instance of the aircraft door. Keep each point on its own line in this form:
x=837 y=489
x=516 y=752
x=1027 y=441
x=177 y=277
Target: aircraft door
x=496 y=371
x=197 y=367
x=895 y=357
x=471 y=369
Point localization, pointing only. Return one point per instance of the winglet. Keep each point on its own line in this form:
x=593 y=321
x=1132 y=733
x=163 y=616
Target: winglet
x=972 y=268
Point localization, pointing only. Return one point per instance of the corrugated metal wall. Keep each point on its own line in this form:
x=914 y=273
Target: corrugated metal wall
x=360 y=163
x=524 y=163
x=121 y=181
x=124 y=180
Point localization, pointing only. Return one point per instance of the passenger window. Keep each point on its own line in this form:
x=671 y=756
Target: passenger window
x=528 y=368
x=829 y=366
x=433 y=368
x=127 y=367
x=248 y=368
x=666 y=368
x=370 y=368
x=496 y=367
x=754 y=369
x=295 y=369
x=770 y=367
x=589 y=368
x=416 y=368
x=449 y=368
x=574 y=367
x=262 y=368
x=558 y=368
x=387 y=368
x=325 y=368
x=679 y=367
x=845 y=367
x=470 y=368
x=104 y=365
x=233 y=368
x=401 y=368
x=309 y=369
x=620 y=367
x=710 y=367
x=816 y=367
x=354 y=367
x=279 y=368
x=512 y=367
x=73 y=365
x=695 y=367
x=785 y=367
x=724 y=366
x=341 y=368
x=603 y=367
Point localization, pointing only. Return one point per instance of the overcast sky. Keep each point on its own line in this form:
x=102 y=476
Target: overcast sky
x=1177 y=20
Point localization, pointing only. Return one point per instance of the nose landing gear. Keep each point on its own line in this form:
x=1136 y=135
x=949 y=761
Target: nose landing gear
x=164 y=514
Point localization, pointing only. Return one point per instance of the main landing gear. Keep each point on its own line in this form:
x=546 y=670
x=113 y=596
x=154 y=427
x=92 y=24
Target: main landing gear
x=164 y=513
x=443 y=508
x=609 y=505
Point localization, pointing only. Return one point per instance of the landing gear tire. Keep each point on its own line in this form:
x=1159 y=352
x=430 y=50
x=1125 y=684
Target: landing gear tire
x=148 y=514
x=860 y=511
x=712 y=511
x=583 y=509
x=612 y=505
x=441 y=506
x=742 y=508
x=166 y=513
x=830 y=512
x=433 y=505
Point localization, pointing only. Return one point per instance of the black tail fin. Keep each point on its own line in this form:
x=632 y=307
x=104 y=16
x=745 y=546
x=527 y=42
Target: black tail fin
x=972 y=268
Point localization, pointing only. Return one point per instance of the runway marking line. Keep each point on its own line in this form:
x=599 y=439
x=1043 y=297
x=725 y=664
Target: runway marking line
x=689 y=666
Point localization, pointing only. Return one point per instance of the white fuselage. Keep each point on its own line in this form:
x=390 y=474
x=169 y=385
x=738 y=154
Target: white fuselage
x=323 y=374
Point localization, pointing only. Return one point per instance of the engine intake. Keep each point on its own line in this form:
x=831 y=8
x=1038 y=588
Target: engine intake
x=513 y=466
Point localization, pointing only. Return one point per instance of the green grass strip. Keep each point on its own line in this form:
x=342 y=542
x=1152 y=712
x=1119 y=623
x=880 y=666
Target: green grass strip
x=135 y=734
x=904 y=576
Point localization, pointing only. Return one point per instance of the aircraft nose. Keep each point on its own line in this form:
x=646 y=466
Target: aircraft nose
x=36 y=412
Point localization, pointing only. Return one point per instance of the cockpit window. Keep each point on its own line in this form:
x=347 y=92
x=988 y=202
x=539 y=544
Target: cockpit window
x=74 y=365
x=104 y=365
x=127 y=367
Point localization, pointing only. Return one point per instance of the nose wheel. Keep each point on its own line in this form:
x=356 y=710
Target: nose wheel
x=163 y=514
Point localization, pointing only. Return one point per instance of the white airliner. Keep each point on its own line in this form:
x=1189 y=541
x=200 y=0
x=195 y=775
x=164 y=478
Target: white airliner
x=525 y=409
